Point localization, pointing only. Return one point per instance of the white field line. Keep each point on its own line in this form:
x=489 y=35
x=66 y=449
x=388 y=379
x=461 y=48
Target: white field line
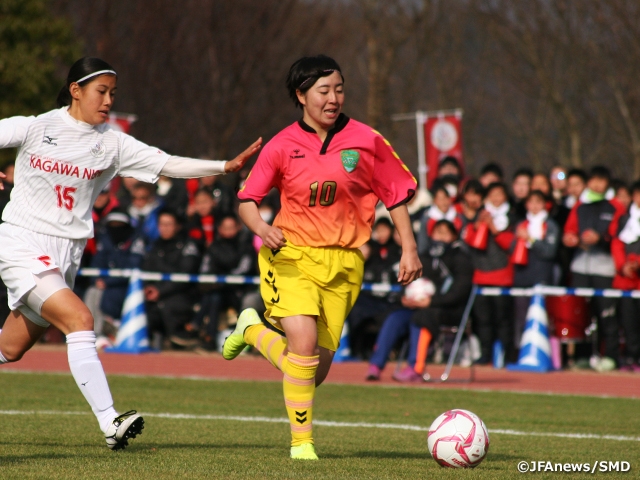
x=327 y=423
x=451 y=386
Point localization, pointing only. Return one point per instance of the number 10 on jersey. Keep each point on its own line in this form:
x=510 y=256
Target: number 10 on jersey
x=327 y=193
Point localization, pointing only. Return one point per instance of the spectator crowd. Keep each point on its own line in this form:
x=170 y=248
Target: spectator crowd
x=565 y=227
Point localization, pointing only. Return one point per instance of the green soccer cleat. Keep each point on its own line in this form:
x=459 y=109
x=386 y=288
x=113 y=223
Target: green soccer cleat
x=234 y=343
x=306 y=451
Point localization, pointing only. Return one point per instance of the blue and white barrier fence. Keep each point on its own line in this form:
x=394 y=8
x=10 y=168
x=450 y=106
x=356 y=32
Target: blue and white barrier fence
x=372 y=287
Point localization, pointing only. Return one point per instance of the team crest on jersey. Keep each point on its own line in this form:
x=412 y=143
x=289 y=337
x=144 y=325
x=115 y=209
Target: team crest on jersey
x=350 y=159
x=98 y=150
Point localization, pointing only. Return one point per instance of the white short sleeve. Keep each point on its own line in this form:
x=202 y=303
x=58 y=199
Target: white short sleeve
x=139 y=160
x=13 y=131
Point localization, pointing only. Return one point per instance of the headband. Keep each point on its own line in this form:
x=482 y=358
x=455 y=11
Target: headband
x=95 y=74
x=331 y=70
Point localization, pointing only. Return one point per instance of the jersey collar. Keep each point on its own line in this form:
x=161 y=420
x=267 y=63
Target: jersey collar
x=341 y=122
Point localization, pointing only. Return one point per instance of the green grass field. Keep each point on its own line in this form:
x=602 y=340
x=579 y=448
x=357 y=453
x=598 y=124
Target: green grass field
x=60 y=438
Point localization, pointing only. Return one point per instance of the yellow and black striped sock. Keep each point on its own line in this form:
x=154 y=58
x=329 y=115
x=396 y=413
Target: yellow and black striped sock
x=299 y=386
x=269 y=343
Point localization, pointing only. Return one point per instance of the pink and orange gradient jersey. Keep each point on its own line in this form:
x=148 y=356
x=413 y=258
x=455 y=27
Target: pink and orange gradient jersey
x=329 y=190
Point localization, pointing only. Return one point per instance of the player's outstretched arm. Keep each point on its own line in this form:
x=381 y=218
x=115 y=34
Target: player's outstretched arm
x=410 y=266
x=182 y=167
x=238 y=162
x=2 y=175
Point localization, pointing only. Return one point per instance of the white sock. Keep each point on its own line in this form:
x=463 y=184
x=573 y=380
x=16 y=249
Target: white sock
x=2 y=359
x=89 y=376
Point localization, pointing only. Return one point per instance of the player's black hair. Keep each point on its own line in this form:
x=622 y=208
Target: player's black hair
x=306 y=71
x=80 y=69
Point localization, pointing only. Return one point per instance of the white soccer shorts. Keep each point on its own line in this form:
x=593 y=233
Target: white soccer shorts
x=24 y=258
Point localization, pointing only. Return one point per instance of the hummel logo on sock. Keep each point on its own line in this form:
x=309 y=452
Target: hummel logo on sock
x=301 y=417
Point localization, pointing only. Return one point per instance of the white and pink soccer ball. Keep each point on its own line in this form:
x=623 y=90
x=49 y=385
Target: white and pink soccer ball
x=459 y=439
x=420 y=289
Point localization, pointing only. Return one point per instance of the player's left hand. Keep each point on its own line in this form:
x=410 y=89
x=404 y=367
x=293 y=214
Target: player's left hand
x=238 y=162
x=410 y=267
x=2 y=175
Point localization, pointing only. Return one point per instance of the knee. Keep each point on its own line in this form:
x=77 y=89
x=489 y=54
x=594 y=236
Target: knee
x=12 y=354
x=81 y=321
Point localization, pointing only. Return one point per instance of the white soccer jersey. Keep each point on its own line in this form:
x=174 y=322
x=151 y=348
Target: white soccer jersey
x=61 y=167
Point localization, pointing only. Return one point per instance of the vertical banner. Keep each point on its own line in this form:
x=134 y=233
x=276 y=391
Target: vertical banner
x=442 y=138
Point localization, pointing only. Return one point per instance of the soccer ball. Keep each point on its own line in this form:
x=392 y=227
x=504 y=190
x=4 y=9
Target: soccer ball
x=420 y=289
x=459 y=439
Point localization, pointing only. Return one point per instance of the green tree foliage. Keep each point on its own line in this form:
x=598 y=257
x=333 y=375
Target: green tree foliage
x=36 y=49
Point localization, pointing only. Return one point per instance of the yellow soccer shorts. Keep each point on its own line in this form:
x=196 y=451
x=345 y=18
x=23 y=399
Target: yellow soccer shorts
x=316 y=281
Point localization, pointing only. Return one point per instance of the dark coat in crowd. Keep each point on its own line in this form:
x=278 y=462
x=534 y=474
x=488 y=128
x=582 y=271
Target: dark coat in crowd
x=177 y=255
x=127 y=254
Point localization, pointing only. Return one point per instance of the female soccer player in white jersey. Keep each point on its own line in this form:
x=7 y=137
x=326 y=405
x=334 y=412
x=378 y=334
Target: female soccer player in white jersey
x=65 y=158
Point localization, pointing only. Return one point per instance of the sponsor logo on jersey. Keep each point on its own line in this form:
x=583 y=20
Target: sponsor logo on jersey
x=51 y=165
x=296 y=154
x=350 y=159
x=98 y=150
x=49 y=140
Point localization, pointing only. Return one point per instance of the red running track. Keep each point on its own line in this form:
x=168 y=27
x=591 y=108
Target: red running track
x=53 y=358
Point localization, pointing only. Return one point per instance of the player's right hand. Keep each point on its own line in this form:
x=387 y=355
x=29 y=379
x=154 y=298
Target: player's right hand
x=2 y=175
x=237 y=163
x=273 y=238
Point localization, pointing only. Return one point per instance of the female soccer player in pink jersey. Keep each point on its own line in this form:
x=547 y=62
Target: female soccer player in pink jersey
x=65 y=159
x=331 y=171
